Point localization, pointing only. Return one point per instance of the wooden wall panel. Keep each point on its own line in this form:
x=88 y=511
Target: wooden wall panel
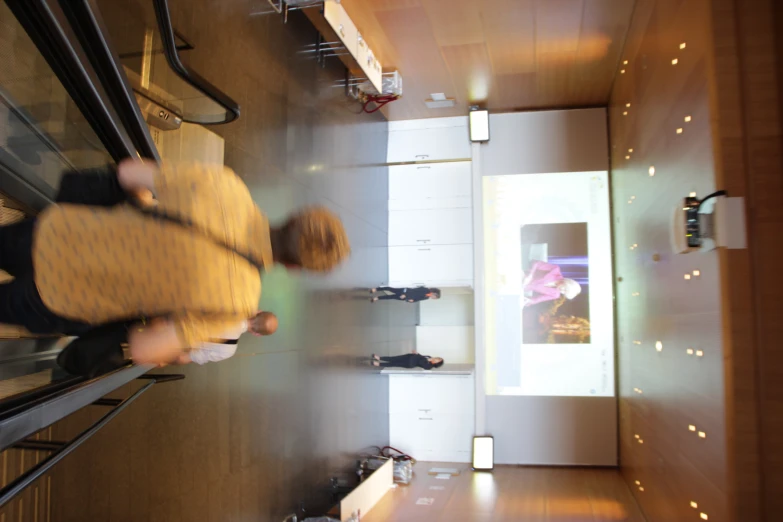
x=420 y=54
x=470 y=67
x=746 y=100
x=665 y=392
x=504 y=54
x=511 y=36
x=455 y=26
x=727 y=80
x=558 y=26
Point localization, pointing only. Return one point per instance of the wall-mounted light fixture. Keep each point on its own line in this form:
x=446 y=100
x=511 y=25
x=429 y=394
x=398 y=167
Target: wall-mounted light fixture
x=478 y=120
x=483 y=453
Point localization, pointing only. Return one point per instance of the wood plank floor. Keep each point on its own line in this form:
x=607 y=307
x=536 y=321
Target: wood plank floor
x=510 y=494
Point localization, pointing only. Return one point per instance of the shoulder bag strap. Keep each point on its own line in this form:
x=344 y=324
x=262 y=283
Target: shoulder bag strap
x=188 y=224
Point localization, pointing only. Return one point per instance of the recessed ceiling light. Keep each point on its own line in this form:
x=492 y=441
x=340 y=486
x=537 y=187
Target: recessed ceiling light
x=675 y=61
x=694 y=505
x=659 y=346
x=622 y=71
x=651 y=171
x=687 y=119
x=625 y=62
x=679 y=131
x=683 y=45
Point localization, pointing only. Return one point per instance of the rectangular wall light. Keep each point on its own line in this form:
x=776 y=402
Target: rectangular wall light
x=479 y=125
x=483 y=453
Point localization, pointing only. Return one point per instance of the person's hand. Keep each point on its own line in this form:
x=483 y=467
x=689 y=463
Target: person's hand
x=411 y=301
x=144 y=197
x=402 y=296
x=155 y=344
x=135 y=175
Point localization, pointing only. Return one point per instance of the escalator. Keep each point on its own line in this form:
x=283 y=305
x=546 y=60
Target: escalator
x=83 y=83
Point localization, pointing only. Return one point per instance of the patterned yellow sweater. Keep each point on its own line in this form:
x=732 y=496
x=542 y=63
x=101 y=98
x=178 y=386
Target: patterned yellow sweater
x=98 y=265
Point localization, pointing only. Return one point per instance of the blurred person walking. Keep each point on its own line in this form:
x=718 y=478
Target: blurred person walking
x=191 y=255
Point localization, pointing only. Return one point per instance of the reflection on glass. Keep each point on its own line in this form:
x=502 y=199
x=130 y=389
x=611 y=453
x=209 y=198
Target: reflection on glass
x=41 y=129
x=136 y=38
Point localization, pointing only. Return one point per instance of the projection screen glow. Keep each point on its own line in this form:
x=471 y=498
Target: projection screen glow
x=548 y=280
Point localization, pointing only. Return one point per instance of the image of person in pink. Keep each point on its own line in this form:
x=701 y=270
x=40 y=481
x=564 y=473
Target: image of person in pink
x=544 y=282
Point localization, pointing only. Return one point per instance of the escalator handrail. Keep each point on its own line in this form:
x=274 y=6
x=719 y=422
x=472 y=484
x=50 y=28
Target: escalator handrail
x=31 y=398
x=53 y=403
x=163 y=16
x=91 y=32
x=55 y=46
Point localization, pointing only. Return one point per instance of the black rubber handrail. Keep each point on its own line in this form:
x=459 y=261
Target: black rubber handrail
x=27 y=399
x=49 y=404
x=46 y=32
x=198 y=82
x=90 y=30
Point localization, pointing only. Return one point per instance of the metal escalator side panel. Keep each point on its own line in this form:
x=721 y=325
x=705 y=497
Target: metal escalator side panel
x=88 y=25
x=157 y=115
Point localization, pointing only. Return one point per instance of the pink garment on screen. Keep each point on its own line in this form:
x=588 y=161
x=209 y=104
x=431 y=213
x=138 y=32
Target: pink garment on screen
x=543 y=274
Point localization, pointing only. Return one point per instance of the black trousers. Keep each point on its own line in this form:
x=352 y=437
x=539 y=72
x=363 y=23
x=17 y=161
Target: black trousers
x=20 y=302
x=396 y=361
x=394 y=293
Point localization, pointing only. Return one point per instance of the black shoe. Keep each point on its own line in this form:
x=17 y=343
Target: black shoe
x=95 y=353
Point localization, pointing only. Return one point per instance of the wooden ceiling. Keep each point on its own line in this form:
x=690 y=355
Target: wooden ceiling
x=503 y=54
